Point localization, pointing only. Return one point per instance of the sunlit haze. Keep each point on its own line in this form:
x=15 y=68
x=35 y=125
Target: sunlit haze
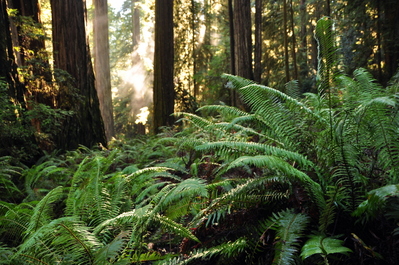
x=117 y=4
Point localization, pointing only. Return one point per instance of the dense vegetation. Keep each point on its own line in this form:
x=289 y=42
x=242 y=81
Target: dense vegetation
x=306 y=172
x=294 y=180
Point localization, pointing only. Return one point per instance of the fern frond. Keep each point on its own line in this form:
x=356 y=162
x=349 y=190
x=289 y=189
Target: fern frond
x=289 y=227
x=228 y=250
x=334 y=195
x=289 y=171
x=226 y=111
x=110 y=252
x=65 y=239
x=327 y=60
x=251 y=148
x=42 y=212
x=237 y=82
x=376 y=201
x=174 y=227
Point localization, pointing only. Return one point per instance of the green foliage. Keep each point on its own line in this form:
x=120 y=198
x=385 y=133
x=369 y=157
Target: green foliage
x=323 y=246
x=289 y=227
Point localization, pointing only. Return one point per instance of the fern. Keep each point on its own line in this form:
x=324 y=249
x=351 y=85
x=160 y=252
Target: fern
x=225 y=148
x=227 y=249
x=289 y=227
x=41 y=213
x=288 y=171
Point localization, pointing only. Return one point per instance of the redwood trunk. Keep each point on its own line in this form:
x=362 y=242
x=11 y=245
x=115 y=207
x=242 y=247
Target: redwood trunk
x=102 y=66
x=71 y=54
x=163 y=96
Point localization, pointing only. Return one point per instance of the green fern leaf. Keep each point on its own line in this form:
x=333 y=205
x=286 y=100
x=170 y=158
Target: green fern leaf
x=324 y=246
x=289 y=227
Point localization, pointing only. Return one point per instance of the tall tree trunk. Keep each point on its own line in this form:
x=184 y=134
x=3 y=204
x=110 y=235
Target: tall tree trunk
x=242 y=38
x=136 y=23
x=232 y=42
x=258 y=41
x=194 y=46
x=71 y=54
x=242 y=42
x=163 y=94
x=303 y=66
x=102 y=66
x=285 y=36
x=328 y=8
x=8 y=67
x=295 y=76
x=233 y=94
x=379 y=57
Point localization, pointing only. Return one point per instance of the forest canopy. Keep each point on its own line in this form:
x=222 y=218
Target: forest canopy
x=199 y=132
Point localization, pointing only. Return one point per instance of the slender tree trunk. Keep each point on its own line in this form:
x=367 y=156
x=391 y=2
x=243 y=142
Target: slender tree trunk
x=163 y=96
x=136 y=23
x=295 y=76
x=304 y=41
x=71 y=54
x=194 y=47
x=242 y=43
x=233 y=94
x=258 y=41
x=379 y=57
x=232 y=42
x=8 y=67
x=242 y=38
x=328 y=8
x=286 y=50
x=102 y=66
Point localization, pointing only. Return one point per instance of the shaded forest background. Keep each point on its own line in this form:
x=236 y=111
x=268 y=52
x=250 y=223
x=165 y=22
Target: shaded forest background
x=199 y=132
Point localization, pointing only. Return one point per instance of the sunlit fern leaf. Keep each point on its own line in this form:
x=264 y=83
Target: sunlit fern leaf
x=177 y=199
x=225 y=148
x=174 y=227
x=109 y=253
x=226 y=111
x=194 y=119
x=43 y=210
x=237 y=82
x=254 y=94
x=223 y=202
x=327 y=57
x=65 y=239
x=245 y=131
x=147 y=170
x=292 y=89
x=245 y=194
x=275 y=163
x=289 y=227
x=228 y=250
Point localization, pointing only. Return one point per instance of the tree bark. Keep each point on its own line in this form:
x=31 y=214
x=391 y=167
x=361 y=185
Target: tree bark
x=136 y=23
x=164 y=95
x=258 y=41
x=242 y=38
x=102 y=66
x=285 y=35
x=8 y=66
x=293 y=52
x=71 y=54
x=232 y=42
